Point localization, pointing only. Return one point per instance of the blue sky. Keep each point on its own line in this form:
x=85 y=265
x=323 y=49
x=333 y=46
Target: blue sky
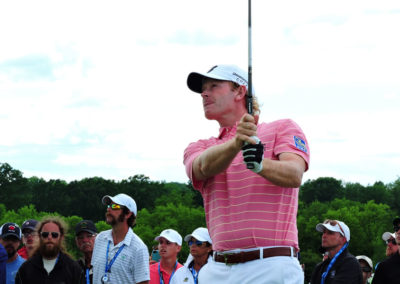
x=94 y=88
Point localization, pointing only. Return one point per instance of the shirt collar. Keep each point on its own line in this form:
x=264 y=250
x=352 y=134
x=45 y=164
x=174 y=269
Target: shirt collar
x=227 y=131
x=126 y=240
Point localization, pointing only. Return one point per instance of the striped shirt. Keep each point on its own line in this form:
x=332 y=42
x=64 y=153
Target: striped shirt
x=244 y=210
x=130 y=266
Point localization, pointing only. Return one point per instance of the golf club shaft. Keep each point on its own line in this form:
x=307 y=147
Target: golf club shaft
x=249 y=98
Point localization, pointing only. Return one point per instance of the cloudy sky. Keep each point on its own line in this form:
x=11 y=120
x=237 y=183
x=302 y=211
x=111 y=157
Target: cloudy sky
x=98 y=88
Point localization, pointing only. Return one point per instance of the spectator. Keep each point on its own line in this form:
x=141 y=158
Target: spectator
x=341 y=266
x=388 y=271
x=50 y=262
x=85 y=234
x=391 y=245
x=366 y=267
x=29 y=238
x=3 y=262
x=249 y=178
x=169 y=245
x=10 y=238
x=200 y=245
x=119 y=255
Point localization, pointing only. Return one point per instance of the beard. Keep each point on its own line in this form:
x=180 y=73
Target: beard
x=114 y=221
x=11 y=251
x=49 y=252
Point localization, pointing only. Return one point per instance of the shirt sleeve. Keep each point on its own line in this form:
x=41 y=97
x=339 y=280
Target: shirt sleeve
x=192 y=152
x=291 y=139
x=141 y=265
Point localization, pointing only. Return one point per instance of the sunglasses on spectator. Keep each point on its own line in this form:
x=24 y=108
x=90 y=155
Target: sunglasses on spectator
x=197 y=243
x=366 y=269
x=26 y=235
x=82 y=236
x=396 y=228
x=334 y=223
x=114 y=206
x=392 y=241
x=45 y=235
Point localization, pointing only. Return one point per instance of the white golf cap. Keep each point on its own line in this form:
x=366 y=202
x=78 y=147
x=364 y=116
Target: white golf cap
x=340 y=227
x=219 y=72
x=121 y=199
x=387 y=235
x=171 y=235
x=200 y=234
x=366 y=259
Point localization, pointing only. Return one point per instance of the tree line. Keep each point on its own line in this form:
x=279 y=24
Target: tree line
x=367 y=210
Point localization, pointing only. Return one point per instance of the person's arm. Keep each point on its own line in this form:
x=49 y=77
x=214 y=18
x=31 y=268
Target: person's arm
x=286 y=172
x=218 y=158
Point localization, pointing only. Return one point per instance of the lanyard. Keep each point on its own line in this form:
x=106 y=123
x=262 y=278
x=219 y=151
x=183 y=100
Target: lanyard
x=160 y=273
x=87 y=276
x=108 y=265
x=194 y=272
x=332 y=262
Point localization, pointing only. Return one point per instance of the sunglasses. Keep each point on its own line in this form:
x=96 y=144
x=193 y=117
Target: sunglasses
x=27 y=235
x=366 y=269
x=334 y=223
x=45 y=235
x=392 y=241
x=114 y=206
x=197 y=243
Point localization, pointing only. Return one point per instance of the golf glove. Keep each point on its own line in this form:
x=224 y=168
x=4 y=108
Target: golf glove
x=253 y=155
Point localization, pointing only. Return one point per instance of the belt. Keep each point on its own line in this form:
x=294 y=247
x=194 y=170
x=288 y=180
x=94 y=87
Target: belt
x=245 y=256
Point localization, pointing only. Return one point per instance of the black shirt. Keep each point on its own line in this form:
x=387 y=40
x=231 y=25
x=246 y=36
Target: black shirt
x=388 y=271
x=345 y=270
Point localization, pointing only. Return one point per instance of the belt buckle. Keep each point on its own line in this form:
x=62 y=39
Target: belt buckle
x=226 y=255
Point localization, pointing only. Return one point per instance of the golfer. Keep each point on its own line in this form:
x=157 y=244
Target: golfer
x=248 y=175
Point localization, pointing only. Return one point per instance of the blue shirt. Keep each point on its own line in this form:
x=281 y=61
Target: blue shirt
x=3 y=260
x=12 y=269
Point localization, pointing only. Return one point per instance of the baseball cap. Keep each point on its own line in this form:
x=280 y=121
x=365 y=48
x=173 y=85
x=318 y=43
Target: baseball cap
x=388 y=235
x=366 y=259
x=171 y=235
x=29 y=224
x=85 y=226
x=200 y=234
x=10 y=229
x=219 y=72
x=121 y=199
x=339 y=227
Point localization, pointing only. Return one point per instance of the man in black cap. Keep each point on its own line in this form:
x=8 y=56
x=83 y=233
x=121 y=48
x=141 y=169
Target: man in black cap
x=29 y=237
x=388 y=270
x=10 y=238
x=86 y=232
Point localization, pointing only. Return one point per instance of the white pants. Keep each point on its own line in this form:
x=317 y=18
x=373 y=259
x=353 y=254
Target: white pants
x=272 y=270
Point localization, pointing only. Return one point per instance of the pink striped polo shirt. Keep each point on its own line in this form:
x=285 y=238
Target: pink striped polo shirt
x=244 y=210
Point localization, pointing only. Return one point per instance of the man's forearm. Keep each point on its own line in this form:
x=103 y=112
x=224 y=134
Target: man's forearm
x=287 y=171
x=215 y=160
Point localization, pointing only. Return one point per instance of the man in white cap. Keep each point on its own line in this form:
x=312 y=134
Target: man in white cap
x=391 y=244
x=366 y=267
x=249 y=178
x=169 y=245
x=119 y=255
x=200 y=245
x=340 y=266
x=388 y=271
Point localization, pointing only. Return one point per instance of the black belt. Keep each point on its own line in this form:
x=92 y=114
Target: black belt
x=245 y=256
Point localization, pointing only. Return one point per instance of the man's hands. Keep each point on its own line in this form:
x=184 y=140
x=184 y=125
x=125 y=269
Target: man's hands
x=253 y=155
x=252 y=148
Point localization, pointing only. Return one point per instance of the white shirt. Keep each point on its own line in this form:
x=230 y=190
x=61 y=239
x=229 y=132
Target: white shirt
x=183 y=275
x=130 y=266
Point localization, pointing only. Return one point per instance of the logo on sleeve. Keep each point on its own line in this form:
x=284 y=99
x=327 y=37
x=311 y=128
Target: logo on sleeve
x=300 y=144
